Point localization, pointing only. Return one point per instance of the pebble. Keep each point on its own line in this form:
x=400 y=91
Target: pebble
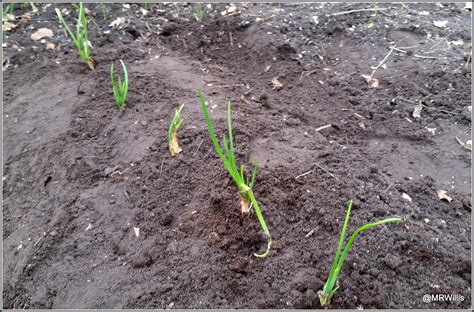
x=440 y=224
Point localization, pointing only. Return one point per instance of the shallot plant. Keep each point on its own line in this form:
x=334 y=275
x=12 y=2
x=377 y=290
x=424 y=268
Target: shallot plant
x=228 y=159
x=121 y=87
x=331 y=286
x=81 y=38
x=176 y=122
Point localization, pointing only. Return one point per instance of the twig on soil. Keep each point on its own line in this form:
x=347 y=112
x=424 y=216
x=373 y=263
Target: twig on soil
x=360 y=116
x=308 y=73
x=439 y=110
x=399 y=50
x=93 y=22
x=425 y=57
x=310 y=233
x=323 y=127
x=44 y=234
x=427 y=225
x=360 y=10
x=303 y=174
x=382 y=62
x=317 y=165
x=199 y=146
x=332 y=175
x=231 y=85
x=243 y=99
x=403 y=5
x=388 y=187
x=468 y=61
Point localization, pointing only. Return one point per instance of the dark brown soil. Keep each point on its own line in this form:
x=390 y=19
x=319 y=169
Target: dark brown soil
x=78 y=176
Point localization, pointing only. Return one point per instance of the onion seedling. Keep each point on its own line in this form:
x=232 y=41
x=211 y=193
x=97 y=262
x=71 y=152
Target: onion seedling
x=199 y=13
x=121 y=88
x=173 y=145
x=244 y=185
x=330 y=287
x=80 y=39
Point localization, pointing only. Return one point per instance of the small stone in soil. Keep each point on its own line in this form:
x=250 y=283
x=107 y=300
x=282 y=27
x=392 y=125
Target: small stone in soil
x=166 y=220
x=53 y=233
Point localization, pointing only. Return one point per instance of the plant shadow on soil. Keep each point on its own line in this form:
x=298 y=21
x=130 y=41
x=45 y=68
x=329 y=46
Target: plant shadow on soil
x=79 y=175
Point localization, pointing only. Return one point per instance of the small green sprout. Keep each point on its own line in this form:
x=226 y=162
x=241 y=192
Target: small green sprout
x=120 y=91
x=199 y=13
x=244 y=185
x=173 y=132
x=81 y=40
x=330 y=287
x=104 y=12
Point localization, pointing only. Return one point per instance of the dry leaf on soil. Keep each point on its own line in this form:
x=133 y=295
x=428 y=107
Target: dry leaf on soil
x=371 y=82
x=443 y=195
x=440 y=24
x=65 y=11
x=41 y=33
x=230 y=11
x=118 y=22
x=417 y=110
x=276 y=84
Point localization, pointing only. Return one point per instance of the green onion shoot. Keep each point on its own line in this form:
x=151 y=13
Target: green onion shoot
x=330 y=287
x=80 y=39
x=120 y=87
x=228 y=159
x=176 y=122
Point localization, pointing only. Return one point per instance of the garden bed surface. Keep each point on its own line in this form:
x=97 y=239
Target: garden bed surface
x=79 y=175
